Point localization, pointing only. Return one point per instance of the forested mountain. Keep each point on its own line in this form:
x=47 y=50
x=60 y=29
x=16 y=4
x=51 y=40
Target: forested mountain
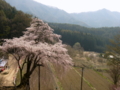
x=100 y=18
x=88 y=41
x=91 y=39
x=105 y=32
x=46 y=13
x=12 y=22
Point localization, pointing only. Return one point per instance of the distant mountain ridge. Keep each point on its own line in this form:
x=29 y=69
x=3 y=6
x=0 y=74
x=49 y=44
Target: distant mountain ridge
x=100 y=18
x=46 y=13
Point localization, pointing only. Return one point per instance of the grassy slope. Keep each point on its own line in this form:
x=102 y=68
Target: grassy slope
x=70 y=80
x=96 y=80
x=46 y=79
x=53 y=76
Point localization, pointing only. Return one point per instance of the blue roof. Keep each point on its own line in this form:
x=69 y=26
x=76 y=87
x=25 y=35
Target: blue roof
x=3 y=63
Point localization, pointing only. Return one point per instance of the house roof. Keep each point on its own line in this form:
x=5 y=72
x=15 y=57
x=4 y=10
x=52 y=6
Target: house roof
x=3 y=63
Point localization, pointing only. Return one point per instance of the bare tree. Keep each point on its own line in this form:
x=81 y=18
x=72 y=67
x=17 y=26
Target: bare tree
x=38 y=45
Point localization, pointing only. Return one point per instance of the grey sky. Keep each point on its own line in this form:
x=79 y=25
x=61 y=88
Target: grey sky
x=71 y=6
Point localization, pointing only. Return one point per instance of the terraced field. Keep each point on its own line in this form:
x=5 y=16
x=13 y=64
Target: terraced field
x=54 y=77
x=70 y=80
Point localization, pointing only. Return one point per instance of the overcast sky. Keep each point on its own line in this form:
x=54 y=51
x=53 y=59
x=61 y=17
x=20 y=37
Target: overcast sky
x=78 y=6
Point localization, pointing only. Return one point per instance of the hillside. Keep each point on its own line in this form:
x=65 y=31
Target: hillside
x=91 y=39
x=53 y=76
x=106 y=32
x=100 y=18
x=12 y=21
x=46 y=13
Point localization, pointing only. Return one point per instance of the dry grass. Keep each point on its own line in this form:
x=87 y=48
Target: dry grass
x=46 y=80
x=96 y=80
x=53 y=77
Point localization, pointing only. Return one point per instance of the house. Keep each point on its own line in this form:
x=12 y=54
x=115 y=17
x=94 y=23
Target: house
x=3 y=65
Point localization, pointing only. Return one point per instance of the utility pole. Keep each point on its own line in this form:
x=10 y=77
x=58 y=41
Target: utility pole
x=82 y=78
x=38 y=77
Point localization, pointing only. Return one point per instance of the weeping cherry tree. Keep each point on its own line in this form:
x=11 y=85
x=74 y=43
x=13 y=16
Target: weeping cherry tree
x=38 y=45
